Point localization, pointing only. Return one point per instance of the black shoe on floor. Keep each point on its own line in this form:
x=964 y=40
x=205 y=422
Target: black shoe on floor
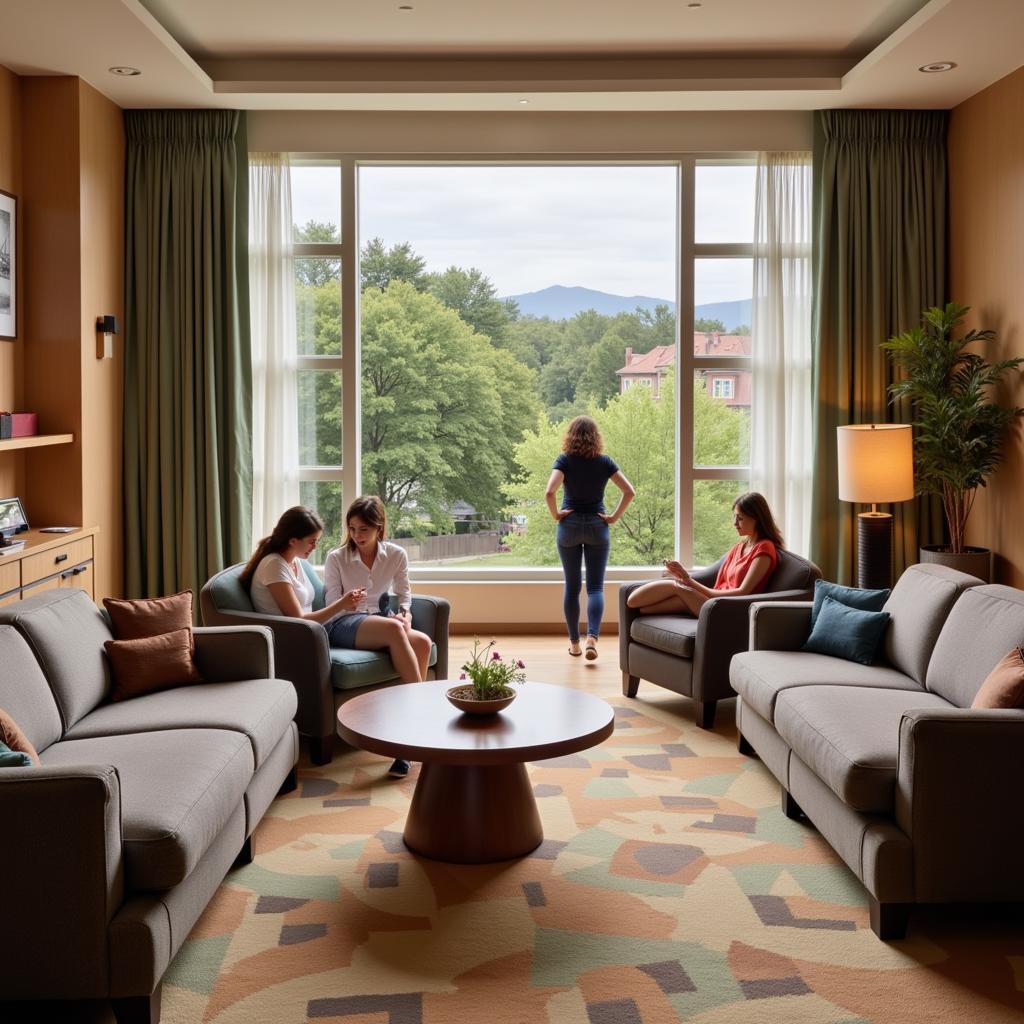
x=399 y=769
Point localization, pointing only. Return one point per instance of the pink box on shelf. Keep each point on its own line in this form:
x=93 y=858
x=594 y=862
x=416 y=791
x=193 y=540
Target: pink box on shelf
x=24 y=424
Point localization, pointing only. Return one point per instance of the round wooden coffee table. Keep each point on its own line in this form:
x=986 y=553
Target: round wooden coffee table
x=473 y=803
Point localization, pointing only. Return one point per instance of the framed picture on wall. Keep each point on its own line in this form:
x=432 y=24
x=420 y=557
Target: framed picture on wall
x=8 y=265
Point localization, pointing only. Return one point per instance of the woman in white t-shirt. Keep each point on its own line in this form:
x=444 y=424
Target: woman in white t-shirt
x=275 y=578
x=367 y=563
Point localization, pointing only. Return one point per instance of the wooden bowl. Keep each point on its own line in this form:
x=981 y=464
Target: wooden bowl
x=462 y=698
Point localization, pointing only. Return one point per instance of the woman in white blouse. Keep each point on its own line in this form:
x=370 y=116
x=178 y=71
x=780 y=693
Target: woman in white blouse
x=367 y=564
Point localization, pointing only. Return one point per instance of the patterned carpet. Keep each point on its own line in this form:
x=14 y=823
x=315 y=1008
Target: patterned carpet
x=669 y=887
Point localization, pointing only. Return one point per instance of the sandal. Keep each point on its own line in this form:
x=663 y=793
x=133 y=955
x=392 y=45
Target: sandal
x=575 y=654
x=591 y=651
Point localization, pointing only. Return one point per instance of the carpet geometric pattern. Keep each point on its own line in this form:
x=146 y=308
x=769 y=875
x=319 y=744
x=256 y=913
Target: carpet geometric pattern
x=669 y=887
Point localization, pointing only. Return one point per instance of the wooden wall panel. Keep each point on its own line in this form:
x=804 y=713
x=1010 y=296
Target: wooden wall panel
x=51 y=287
x=986 y=151
x=102 y=232
x=11 y=463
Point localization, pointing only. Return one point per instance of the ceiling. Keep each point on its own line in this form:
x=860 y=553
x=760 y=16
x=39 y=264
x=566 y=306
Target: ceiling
x=527 y=56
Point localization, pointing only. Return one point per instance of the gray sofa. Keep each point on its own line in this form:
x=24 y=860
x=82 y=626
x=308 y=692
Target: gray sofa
x=911 y=787
x=691 y=656
x=115 y=843
x=323 y=676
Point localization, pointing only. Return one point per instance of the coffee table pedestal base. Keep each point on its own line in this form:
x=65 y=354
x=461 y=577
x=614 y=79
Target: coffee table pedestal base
x=472 y=814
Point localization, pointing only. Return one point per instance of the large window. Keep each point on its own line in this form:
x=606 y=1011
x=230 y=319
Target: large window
x=495 y=303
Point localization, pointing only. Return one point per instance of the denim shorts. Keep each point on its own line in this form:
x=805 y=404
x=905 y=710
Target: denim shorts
x=341 y=632
x=581 y=528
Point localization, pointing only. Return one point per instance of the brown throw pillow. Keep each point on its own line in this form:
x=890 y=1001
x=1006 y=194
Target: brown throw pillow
x=1004 y=685
x=151 y=616
x=151 y=663
x=13 y=737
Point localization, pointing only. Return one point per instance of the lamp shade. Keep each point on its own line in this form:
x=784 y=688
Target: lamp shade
x=876 y=462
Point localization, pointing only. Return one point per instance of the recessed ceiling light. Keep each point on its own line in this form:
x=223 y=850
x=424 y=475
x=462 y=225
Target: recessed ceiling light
x=936 y=66
x=124 y=71
x=524 y=103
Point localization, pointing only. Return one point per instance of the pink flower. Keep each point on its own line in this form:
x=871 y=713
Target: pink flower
x=520 y=664
x=495 y=656
x=462 y=675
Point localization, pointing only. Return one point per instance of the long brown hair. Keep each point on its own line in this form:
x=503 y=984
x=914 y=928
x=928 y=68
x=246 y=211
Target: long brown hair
x=371 y=510
x=583 y=438
x=754 y=505
x=294 y=524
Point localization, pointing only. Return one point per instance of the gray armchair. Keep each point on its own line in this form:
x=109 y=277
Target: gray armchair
x=302 y=655
x=691 y=656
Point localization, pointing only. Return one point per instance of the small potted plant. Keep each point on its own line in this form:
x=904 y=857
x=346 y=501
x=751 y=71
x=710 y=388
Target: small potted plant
x=489 y=677
x=959 y=428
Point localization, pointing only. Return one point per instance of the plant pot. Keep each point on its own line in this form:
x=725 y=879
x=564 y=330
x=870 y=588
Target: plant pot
x=465 y=700
x=973 y=561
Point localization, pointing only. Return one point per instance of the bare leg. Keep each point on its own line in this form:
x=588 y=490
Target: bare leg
x=664 y=596
x=377 y=633
x=421 y=644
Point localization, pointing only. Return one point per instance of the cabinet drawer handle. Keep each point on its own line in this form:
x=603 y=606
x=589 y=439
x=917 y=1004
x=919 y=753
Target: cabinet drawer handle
x=77 y=569
x=66 y=575
x=60 y=558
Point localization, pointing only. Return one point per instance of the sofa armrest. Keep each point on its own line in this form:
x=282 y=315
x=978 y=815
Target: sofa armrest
x=722 y=631
x=431 y=615
x=955 y=799
x=226 y=653
x=301 y=656
x=779 y=625
x=64 y=882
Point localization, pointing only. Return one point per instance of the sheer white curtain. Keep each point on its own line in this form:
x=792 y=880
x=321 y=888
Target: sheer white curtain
x=780 y=458
x=275 y=441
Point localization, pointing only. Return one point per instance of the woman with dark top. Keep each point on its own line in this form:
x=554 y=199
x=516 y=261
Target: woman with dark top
x=745 y=570
x=583 y=471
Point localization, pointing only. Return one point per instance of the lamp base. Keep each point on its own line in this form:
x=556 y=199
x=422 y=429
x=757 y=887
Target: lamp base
x=874 y=550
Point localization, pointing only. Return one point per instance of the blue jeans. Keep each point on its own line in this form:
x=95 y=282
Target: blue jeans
x=583 y=538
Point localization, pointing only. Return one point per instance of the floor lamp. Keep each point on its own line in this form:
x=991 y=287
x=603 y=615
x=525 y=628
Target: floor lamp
x=876 y=465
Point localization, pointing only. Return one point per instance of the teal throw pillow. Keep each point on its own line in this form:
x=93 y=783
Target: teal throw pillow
x=845 y=632
x=13 y=758
x=852 y=597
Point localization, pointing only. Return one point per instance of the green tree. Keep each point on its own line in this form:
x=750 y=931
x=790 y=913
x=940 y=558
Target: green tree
x=599 y=381
x=741 y=329
x=316 y=270
x=532 y=340
x=379 y=266
x=474 y=298
x=442 y=409
x=705 y=325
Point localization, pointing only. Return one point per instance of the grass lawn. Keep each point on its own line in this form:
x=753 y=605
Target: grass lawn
x=485 y=561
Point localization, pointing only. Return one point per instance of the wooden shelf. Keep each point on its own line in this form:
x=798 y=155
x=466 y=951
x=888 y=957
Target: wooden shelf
x=36 y=441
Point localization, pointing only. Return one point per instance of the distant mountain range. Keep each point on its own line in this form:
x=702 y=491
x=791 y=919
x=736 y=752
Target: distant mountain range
x=559 y=303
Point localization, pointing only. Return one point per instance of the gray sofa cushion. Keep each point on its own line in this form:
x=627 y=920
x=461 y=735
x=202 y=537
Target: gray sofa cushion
x=259 y=708
x=759 y=677
x=673 y=634
x=986 y=623
x=919 y=604
x=352 y=669
x=849 y=737
x=178 y=788
x=66 y=631
x=24 y=692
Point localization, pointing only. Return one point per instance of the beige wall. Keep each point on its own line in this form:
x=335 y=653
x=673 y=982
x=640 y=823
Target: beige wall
x=522 y=132
x=986 y=261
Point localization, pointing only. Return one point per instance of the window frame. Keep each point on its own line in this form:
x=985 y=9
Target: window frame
x=688 y=251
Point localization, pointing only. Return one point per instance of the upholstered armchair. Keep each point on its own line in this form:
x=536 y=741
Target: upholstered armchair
x=320 y=674
x=691 y=655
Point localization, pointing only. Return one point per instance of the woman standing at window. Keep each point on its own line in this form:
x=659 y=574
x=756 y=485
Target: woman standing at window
x=582 y=535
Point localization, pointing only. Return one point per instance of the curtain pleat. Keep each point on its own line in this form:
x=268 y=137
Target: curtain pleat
x=879 y=260
x=188 y=377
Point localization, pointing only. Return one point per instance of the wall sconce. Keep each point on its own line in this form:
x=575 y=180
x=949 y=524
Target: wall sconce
x=876 y=464
x=106 y=328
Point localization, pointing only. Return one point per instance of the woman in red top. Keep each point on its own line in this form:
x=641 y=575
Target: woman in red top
x=745 y=570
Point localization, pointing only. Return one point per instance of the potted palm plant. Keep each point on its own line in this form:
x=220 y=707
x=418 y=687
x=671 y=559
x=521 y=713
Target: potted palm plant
x=959 y=427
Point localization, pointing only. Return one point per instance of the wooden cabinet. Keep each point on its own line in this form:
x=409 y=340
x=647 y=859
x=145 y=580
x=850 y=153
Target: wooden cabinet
x=48 y=561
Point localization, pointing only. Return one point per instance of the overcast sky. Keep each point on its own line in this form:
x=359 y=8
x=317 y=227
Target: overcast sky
x=608 y=228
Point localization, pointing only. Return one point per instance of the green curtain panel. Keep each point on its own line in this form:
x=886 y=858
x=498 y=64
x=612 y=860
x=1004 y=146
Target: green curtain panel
x=879 y=259
x=188 y=371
